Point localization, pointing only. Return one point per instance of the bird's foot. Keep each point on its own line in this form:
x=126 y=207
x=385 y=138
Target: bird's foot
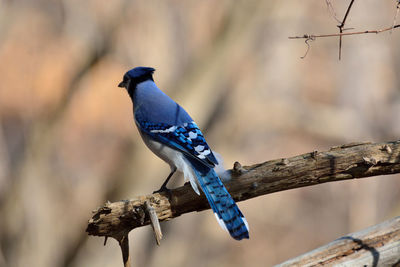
x=164 y=189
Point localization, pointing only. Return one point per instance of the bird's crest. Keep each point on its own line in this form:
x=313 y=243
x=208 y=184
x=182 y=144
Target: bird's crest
x=140 y=72
x=136 y=76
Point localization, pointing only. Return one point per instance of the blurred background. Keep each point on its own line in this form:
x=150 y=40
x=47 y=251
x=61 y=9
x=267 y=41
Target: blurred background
x=68 y=142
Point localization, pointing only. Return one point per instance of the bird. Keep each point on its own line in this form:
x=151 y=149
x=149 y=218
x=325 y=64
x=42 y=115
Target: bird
x=170 y=133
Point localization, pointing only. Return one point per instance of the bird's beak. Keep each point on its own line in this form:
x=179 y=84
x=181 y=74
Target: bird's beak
x=122 y=84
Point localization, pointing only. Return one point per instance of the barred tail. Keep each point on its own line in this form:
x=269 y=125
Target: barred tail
x=225 y=209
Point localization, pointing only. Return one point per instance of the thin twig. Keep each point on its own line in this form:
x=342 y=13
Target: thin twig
x=332 y=10
x=346 y=15
x=308 y=36
x=308 y=46
x=395 y=17
x=341 y=26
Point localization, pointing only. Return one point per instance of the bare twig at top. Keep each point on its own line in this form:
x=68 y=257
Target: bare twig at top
x=314 y=36
x=308 y=45
x=332 y=10
x=342 y=29
x=341 y=26
x=395 y=16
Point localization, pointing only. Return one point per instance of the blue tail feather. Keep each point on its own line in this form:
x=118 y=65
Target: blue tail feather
x=221 y=202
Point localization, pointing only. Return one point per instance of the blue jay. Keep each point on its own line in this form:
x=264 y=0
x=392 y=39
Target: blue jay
x=168 y=130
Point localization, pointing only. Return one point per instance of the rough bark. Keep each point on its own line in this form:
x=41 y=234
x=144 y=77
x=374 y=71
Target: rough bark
x=378 y=245
x=355 y=160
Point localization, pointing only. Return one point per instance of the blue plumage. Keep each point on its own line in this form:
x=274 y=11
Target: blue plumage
x=171 y=134
x=221 y=201
x=186 y=137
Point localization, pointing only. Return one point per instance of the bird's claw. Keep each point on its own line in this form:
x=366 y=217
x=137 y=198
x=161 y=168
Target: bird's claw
x=163 y=189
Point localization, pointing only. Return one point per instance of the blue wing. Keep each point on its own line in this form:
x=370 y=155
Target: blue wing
x=187 y=138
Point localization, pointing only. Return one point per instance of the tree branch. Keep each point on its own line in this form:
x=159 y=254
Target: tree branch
x=355 y=160
x=377 y=245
